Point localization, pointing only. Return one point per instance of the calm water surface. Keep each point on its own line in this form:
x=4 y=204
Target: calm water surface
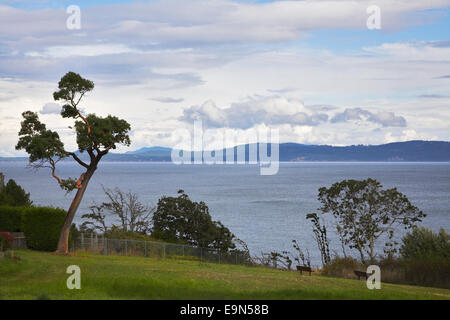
x=267 y=212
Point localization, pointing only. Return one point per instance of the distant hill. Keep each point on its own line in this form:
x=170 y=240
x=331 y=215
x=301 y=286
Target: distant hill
x=397 y=151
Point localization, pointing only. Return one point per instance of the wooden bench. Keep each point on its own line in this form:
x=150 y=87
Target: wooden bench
x=360 y=274
x=304 y=268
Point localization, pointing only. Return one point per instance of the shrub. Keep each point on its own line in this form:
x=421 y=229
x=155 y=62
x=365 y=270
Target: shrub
x=431 y=272
x=42 y=226
x=6 y=241
x=342 y=267
x=11 y=218
x=422 y=244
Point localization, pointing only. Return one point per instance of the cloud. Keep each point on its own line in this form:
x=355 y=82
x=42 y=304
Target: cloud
x=350 y=114
x=81 y=51
x=321 y=107
x=412 y=51
x=432 y=96
x=174 y=22
x=167 y=99
x=51 y=108
x=282 y=90
x=272 y=110
x=385 y=118
x=407 y=135
x=227 y=50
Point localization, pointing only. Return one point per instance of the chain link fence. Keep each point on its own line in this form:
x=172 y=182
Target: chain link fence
x=100 y=245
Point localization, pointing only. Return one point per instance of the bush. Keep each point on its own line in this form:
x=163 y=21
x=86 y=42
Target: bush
x=11 y=218
x=6 y=241
x=425 y=259
x=342 y=267
x=429 y=272
x=423 y=244
x=42 y=226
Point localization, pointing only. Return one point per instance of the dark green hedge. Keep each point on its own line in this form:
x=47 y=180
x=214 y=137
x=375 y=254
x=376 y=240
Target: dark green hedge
x=42 y=226
x=11 y=218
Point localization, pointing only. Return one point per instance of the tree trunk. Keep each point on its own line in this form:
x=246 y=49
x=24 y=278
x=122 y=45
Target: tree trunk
x=372 y=258
x=63 y=243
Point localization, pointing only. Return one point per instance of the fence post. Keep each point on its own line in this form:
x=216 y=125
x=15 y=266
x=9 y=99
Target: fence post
x=219 y=256
x=145 y=248
x=82 y=241
x=201 y=254
x=235 y=254
x=183 y=250
x=164 y=250
x=126 y=247
x=105 y=246
x=92 y=241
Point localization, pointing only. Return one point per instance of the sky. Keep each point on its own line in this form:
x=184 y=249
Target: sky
x=312 y=70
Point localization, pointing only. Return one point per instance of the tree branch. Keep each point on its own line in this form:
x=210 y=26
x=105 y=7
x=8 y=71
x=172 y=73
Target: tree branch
x=75 y=157
x=53 y=166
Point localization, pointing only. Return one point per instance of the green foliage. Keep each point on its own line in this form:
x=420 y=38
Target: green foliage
x=301 y=257
x=11 y=218
x=70 y=85
x=42 y=226
x=105 y=132
x=37 y=141
x=45 y=147
x=320 y=233
x=424 y=270
x=366 y=213
x=422 y=243
x=181 y=219
x=13 y=195
x=430 y=272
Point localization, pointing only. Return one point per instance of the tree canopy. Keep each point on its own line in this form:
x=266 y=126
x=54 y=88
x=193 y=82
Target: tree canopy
x=14 y=195
x=366 y=213
x=96 y=135
x=179 y=219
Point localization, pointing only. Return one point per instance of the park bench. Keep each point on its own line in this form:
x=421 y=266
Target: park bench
x=304 y=268
x=360 y=274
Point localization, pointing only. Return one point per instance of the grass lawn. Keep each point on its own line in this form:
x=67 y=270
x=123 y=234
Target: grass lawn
x=43 y=275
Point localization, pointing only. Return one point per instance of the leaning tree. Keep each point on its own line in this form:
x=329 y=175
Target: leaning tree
x=95 y=135
x=366 y=213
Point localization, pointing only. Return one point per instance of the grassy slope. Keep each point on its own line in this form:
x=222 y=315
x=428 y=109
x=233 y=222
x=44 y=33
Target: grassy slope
x=111 y=277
